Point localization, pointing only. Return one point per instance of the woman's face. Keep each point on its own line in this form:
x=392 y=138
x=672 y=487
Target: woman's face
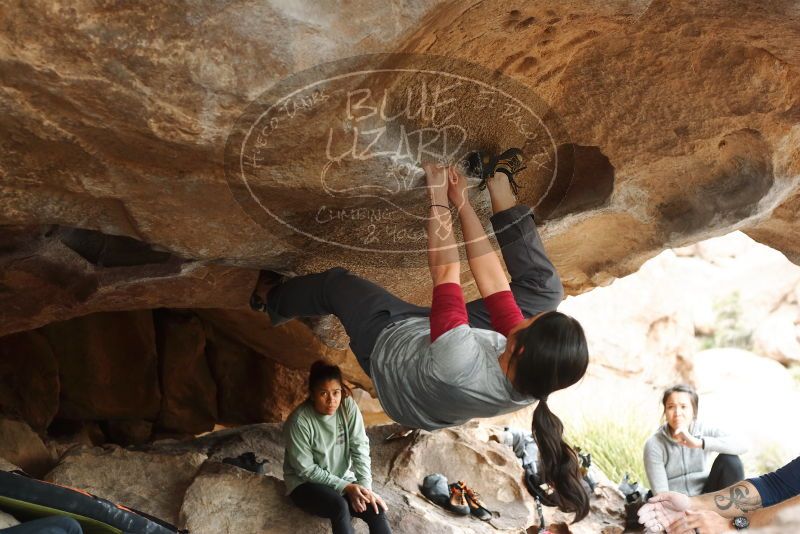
x=679 y=410
x=327 y=397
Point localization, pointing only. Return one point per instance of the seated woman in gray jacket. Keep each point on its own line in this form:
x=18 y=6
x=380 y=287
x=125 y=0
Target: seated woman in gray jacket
x=676 y=456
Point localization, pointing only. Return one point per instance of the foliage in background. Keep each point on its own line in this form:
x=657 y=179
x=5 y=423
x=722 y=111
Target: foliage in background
x=616 y=445
x=729 y=329
x=794 y=370
x=765 y=458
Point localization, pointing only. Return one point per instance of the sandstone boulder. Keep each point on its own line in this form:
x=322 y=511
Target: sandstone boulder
x=114 y=197
x=150 y=482
x=715 y=293
x=639 y=325
x=226 y=500
x=21 y=446
x=742 y=271
x=188 y=390
x=53 y=277
x=108 y=366
x=292 y=344
x=746 y=394
x=489 y=468
x=778 y=335
x=128 y=431
x=118 y=122
x=397 y=468
x=5 y=465
x=29 y=383
x=250 y=387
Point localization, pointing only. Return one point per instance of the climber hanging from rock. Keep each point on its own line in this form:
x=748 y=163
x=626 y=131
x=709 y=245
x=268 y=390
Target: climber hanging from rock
x=442 y=366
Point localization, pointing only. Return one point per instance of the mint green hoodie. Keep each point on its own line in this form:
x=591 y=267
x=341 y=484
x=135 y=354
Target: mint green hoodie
x=324 y=450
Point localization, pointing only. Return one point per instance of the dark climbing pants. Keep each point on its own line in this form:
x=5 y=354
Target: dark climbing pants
x=365 y=309
x=57 y=524
x=322 y=501
x=726 y=470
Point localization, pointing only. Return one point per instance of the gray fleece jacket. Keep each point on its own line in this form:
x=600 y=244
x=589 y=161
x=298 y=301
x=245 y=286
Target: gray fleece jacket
x=673 y=467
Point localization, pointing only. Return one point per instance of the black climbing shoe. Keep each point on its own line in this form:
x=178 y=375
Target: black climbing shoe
x=509 y=163
x=257 y=303
x=473 y=164
x=266 y=281
x=248 y=462
x=476 y=506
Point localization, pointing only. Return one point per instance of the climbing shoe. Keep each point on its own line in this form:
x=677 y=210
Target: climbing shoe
x=509 y=163
x=476 y=506
x=257 y=303
x=248 y=462
x=435 y=488
x=266 y=281
x=473 y=165
x=458 y=501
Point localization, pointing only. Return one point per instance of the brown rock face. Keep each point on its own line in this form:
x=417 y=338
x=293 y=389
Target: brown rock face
x=152 y=483
x=29 y=383
x=489 y=468
x=116 y=126
x=293 y=344
x=5 y=465
x=186 y=483
x=259 y=502
x=127 y=376
x=248 y=383
x=108 y=366
x=55 y=273
x=189 y=398
x=129 y=431
x=22 y=447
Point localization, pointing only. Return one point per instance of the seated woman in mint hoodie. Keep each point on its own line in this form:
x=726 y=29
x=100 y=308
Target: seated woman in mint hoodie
x=676 y=456
x=326 y=464
x=442 y=366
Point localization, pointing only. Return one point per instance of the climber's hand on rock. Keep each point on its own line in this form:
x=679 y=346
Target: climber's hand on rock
x=435 y=175
x=457 y=188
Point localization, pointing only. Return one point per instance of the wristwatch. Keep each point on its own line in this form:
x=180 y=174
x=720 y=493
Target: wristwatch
x=741 y=522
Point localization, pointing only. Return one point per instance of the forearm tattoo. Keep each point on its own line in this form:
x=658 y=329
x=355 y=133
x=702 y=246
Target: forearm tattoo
x=740 y=498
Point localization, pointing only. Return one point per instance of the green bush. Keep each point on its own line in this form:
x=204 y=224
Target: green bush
x=764 y=459
x=794 y=370
x=616 y=445
x=729 y=328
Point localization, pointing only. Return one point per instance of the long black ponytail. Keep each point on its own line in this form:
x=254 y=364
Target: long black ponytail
x=549 y=355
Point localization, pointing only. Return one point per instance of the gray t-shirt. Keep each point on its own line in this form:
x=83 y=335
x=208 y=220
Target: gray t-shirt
x=445 y=383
